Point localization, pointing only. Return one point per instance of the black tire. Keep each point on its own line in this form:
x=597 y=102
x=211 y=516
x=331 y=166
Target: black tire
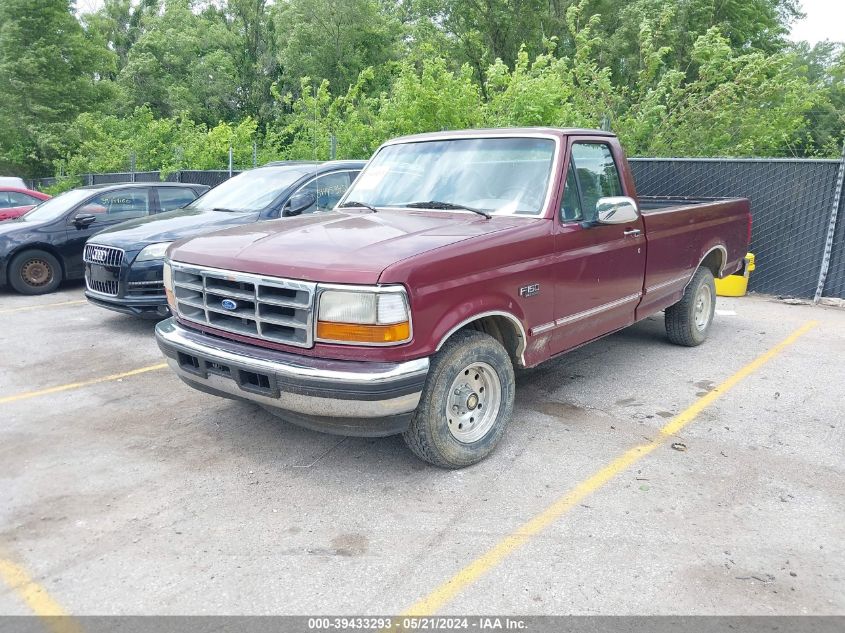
x=35 y=272
x=689 y=320
x=429 y=436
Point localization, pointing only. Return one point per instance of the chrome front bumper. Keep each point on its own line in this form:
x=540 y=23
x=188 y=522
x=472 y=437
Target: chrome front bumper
x=344 y=397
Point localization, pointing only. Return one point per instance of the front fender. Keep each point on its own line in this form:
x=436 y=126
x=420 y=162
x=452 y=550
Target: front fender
x=485 y=306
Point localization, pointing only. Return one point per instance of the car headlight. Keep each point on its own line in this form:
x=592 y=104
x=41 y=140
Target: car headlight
x=153 y=251
x=365 y=316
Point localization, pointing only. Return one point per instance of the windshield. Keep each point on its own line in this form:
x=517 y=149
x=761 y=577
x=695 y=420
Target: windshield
x=252 y=190
x=502 y=176
x=55 y=207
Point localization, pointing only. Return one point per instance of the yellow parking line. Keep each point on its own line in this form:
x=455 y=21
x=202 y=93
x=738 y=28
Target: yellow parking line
x=76 y=385
x=37 y=598
x=484 y=563
x=43 y=305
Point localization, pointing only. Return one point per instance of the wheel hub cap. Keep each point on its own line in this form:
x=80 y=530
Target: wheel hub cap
x=36 y=272
x=473 y=403
x=703 y=303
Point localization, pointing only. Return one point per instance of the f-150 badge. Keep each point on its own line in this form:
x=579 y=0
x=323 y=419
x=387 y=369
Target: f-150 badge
x=529 y=291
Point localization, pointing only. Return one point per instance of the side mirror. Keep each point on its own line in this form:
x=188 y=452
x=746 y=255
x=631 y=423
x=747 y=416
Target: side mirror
x=83 y=220
x=299 y=202
x=616 y=210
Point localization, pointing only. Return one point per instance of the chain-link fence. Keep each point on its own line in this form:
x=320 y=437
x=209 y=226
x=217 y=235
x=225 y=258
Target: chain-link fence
x=210 y=177
x=791 y=201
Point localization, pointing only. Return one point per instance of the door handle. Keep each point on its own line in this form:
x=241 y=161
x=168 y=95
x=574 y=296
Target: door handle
x=631 y=233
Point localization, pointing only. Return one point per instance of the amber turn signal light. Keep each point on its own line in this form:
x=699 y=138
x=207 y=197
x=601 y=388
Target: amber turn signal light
x=171 y=300
x=360 y=333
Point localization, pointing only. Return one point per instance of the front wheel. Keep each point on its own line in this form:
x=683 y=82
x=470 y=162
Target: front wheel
x=466 y=403
x=689 y=320
x=35 y=272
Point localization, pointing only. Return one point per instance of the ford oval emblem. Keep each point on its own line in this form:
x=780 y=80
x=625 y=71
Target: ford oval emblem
x=229 y=304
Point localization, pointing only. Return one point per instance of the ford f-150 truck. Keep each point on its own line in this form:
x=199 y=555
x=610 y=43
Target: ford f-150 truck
x=454 y=258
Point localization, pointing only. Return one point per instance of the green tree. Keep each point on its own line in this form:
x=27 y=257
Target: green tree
x=749 y=104
x=255 y=55
x=49 y=72
x=824 y=64
x=333 y=40
x=106 y=143
x=183 y=62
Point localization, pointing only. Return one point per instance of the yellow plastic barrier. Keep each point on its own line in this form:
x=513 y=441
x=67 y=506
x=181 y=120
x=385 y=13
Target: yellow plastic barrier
x=736 y=285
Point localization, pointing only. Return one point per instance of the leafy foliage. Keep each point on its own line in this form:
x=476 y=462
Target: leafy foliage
x=48 y=67
x=173 y=82
x=108 y=143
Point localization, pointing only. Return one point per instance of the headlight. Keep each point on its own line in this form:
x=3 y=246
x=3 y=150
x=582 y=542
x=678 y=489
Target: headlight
x=168 y=286
x=368 y=316
x=153 y=251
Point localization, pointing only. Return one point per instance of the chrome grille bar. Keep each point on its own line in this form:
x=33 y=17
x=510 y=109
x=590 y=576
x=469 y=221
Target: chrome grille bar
x=268 y=308
x=103 y=255
x=102 y=287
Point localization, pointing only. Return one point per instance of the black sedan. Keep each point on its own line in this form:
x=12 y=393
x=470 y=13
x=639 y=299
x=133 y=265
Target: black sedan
x=124 y=265
x=42 y=248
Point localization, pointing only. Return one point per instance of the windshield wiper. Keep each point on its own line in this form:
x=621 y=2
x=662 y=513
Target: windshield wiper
x=437 y=204
x=221 y=209
x=355 y=203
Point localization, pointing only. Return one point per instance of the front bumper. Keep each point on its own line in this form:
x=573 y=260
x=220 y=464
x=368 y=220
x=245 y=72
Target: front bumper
x=138 y=286
x=145 y=307
x=343 y=397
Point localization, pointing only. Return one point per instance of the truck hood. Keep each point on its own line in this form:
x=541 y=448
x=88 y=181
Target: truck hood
x=341 y=247
x=169 y=227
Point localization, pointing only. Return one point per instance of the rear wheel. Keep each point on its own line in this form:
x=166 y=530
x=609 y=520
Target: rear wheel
x=689 y=320
x=466 y=403
x=35 y=272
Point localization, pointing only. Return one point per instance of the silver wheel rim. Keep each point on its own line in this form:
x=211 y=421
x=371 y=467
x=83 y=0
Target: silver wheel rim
x=703 y=303
x=473 y=402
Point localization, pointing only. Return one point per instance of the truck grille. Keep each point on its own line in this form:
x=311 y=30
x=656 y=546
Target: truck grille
x=103 y=255
x=269 y=308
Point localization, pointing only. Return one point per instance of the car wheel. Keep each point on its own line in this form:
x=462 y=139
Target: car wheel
x=466 y=403
x=35 y=272
x=689 y=320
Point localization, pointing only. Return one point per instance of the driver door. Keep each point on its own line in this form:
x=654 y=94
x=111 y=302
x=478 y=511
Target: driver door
x=600 y=267
x=109 y=208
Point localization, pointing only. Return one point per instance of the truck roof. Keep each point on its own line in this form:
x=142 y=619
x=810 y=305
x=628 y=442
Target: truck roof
x=508 y=131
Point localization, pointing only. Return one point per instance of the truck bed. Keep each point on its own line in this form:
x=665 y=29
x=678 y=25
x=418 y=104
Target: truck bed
x=680 y=234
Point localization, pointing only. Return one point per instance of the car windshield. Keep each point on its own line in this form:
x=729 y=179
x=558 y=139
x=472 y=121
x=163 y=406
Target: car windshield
x=56 y=207
x=252 y=190
x=502 y=176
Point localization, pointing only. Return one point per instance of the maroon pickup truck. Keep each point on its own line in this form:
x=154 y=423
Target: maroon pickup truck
x=453 y=258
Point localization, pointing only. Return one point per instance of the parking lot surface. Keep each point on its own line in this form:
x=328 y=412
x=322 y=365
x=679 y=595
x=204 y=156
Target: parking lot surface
x=123 y=491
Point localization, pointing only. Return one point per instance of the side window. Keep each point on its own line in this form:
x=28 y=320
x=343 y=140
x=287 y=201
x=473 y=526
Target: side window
x=170 y=198
x=597 y=175
x=4 y=200
x=570 y=205
x=122 y=204
x=329 y=189
x=18 y=199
